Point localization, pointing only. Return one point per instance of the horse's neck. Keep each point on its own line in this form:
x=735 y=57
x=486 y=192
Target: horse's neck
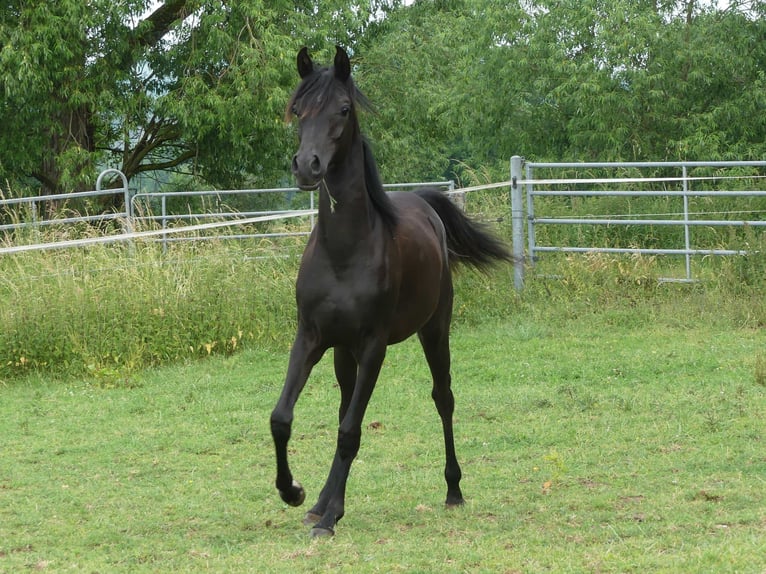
x=345 y=211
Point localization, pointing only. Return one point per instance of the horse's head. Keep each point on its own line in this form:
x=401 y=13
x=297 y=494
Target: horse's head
x=323 y=104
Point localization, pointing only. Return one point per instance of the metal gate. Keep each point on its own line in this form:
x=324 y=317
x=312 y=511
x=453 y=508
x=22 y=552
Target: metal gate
x=679 y=183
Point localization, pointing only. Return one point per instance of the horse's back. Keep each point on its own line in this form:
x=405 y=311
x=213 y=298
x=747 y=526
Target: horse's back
x=420 y=232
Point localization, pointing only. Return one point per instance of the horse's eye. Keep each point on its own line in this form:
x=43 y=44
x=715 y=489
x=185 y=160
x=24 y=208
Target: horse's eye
x=294 y=110
x=345 y=110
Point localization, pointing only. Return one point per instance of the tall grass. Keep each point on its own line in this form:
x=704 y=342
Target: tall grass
x=109 y=310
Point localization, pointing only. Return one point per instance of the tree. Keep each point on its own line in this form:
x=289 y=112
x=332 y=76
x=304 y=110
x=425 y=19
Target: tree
x=422 y=67
x=651 y=80
x=198 y=85
x=473 y=82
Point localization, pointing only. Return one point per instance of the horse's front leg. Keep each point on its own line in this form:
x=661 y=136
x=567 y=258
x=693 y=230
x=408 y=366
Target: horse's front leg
x=345 y=373
x=331 y=504
x=304 y=355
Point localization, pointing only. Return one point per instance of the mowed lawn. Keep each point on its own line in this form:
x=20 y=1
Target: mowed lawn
x=590 y=445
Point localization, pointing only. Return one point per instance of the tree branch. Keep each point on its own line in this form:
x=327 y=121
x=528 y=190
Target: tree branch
x=171 y=163
x=158 y=23
x=157 y=133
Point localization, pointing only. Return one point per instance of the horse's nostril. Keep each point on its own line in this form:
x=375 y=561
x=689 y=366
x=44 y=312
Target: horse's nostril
x=316 y=166
x=295 y=163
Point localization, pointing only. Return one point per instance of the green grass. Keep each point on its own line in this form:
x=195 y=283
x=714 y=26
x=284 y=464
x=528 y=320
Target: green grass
x=603 y=442
x=605 y=422
x=112 y=310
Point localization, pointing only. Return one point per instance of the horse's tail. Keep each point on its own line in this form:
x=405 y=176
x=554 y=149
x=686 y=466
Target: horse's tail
x=468 y=241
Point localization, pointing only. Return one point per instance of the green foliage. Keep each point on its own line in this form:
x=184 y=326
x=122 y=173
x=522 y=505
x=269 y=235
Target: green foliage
x=200 y=87
x=197 y=86
x=429 y=70
x=472 y=83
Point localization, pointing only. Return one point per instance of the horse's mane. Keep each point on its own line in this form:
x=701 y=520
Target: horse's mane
x=309 y=97
x=378 y=196
x=314 y=91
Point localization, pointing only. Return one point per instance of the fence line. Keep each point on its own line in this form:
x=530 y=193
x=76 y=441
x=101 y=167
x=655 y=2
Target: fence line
x=146 y=234
x=522 y=186
x=573 y=181
x=132 y=213
x=525 y=184
x=33 y=203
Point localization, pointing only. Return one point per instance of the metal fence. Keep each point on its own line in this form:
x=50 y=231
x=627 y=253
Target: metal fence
x=219 y=205
x=678 y=182
x=193 y=215
x=200 y=215
x=40 y=211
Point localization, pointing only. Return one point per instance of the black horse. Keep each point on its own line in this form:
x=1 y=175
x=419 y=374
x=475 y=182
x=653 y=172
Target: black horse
x=376 y=269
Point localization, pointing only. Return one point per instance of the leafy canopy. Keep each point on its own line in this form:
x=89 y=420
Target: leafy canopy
x=199 y=86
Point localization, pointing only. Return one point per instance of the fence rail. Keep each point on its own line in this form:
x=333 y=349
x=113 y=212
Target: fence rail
x=35 y=215
x=150 y=210
x=525 y=185
x=529 y=194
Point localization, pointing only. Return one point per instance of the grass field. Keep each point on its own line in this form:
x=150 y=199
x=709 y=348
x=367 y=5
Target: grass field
x=610 y=441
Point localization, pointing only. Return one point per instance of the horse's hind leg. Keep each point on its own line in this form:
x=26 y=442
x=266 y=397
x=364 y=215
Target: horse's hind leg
x=434 y=337
x=353 y=406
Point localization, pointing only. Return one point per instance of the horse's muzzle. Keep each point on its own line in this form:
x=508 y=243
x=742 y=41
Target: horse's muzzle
x=308 y=171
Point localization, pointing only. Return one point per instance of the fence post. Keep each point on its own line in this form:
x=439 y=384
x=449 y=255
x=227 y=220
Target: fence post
x=164 y=202
x=126 y=191
x=687 y=234
x=517 y=222
x=530 y=216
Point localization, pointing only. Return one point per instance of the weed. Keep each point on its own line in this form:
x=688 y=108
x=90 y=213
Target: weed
x=555 y=462
x=712 y=420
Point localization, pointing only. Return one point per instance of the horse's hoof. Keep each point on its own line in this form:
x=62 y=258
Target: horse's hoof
x=454 y=504
x=319 y=532
x=295 y=496
x=311 y=519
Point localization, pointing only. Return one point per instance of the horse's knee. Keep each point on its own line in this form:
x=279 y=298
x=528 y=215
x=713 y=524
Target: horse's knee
x=280 y=427
x=348 y=443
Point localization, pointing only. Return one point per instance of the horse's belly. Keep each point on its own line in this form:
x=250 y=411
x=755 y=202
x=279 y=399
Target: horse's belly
x=419 y=298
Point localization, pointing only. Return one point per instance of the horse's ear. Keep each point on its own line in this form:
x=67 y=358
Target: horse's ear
x=342 y=65
x=305 y=65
